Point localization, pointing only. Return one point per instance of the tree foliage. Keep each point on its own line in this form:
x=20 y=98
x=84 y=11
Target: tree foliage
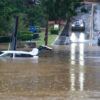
x=59 y=9
x=27 y=11
x=33 y=11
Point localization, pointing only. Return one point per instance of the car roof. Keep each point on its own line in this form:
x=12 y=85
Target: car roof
x=17 y=52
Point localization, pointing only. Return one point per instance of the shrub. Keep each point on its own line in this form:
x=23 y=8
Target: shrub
x=36 y=36
x=38 y=29
x=25 y=37
x=52 y=31
x=26 y=32
x=5 y=39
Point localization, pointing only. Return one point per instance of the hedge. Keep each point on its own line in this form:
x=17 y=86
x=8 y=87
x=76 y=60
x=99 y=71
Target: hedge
x=25 y=37
x=5 y=39
x=52 y=31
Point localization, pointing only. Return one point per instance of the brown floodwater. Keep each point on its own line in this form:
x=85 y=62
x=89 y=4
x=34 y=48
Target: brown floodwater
x=67 y=73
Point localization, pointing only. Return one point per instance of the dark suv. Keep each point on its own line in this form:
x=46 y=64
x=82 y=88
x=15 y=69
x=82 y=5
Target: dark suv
x=78 y=25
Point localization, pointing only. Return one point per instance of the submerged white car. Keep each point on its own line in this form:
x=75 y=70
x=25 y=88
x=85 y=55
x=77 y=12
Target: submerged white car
x=21 y=54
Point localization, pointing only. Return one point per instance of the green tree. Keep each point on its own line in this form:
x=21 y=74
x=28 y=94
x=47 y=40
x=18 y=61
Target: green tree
x=27 y=10
x=57 y=10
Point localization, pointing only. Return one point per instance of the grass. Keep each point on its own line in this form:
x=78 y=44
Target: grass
x=40 y=41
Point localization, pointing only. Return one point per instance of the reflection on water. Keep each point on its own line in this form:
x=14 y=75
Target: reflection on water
x=82 y=37
x=73 y=54
x=32 y=60
x=81 y=78
x=81 y=51
x=81 y=67
x=73 y=62
x=73 y=37
x=72 y=78
x=73 y=47
x=73 y=74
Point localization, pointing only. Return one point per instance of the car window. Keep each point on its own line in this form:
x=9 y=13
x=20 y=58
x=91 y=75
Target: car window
x=23 y=55
x=1 y=52
x=7 y=55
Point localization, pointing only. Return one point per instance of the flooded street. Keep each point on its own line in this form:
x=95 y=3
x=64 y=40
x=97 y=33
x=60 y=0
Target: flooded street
x=69 y=73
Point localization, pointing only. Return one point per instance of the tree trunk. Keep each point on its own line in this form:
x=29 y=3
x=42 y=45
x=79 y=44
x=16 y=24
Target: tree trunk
x=67 y=26
x=65 y=31
x=14 y=35
x=46 y=34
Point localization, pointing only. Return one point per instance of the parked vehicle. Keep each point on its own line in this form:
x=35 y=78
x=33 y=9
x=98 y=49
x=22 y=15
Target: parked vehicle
x=99 y=40
x=15 y=54
x=78 y=25
x=34 y=29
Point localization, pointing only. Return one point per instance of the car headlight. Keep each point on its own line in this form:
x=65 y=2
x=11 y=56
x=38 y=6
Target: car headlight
x=73 y=25
x=81 y=25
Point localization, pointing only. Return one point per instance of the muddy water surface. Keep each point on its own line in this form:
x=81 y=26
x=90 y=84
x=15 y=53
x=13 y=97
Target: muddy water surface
x=63 y=74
